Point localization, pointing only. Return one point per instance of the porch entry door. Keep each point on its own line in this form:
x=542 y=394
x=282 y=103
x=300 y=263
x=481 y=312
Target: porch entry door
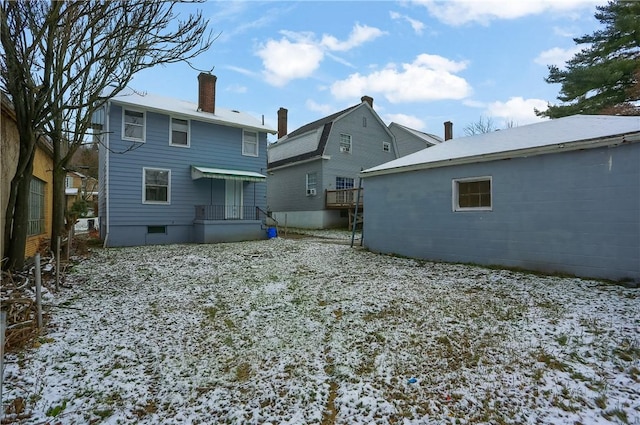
x=233 y=200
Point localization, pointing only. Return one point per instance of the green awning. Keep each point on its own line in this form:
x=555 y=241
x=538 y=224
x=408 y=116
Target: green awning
x=224 y=174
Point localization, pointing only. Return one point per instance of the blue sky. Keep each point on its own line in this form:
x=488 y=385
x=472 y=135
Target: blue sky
x=424 y=62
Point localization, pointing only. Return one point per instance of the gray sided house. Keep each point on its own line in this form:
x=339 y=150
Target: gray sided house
x=313 y=171
x=557 y=196
x=178 y=172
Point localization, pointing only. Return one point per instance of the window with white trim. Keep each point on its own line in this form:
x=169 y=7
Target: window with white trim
x=179 y=132
x=471 y=194
x=156 y=186
x=345 y=143
x=36 y=207
x=68 y=182
x=386 y=147
x=311 y=183
x=249 y=143
x=344 y=183
x=133 y=125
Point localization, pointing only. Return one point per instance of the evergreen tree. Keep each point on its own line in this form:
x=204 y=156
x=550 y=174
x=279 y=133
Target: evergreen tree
x=604 y=77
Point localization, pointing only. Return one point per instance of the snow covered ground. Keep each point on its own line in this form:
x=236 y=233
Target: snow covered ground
x=300 y=331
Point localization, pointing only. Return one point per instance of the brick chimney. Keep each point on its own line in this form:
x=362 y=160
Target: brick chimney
x=207 y=92
x=448 y=130
x=282 y=122
x=367 y=99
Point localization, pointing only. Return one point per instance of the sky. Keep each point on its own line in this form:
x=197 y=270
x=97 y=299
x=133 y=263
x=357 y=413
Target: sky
x=423 y=62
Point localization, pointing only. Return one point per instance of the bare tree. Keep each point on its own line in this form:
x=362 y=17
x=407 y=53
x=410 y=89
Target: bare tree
x=483 y=125
x=85 y=53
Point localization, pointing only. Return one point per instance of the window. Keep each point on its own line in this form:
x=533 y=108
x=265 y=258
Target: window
x=36 y=207
x=472 y=194
x=364 y=121
x=133 y=125
x=68 y=182
x=344 y=183
x=249 y=143
x=311 y=184
x=156 y=186
x=345 y=143
x=157 y=229
x=386 y=147
x=179 y=132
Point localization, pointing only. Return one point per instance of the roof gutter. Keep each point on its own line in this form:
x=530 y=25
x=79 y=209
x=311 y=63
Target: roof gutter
x=519 y=153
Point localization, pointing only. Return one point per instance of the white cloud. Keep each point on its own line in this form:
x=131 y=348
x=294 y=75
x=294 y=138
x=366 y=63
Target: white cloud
x=299 y=54
x=406 y=120
x=474 y=103
x=236 y=88
x=284 y=60
x=459 y=12
x=242 y=71
x=557 y=56
x=418 y=26
x=428 y=77
x=516 y=109
x=324 y=109
x=359 y=35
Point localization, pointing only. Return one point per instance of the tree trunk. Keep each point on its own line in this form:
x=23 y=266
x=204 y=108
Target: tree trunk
x=59 y=204
x=18 y=215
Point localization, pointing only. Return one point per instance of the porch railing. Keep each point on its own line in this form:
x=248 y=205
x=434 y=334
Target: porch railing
x=227 y=212
x=343 y=198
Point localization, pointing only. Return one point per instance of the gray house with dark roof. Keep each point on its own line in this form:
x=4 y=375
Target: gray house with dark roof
x=313 y=171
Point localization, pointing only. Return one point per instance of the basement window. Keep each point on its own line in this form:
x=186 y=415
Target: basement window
x=472 y=194
x=157 y=229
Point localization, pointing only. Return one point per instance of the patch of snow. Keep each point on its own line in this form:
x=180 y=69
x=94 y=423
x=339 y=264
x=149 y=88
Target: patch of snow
x=287 y=331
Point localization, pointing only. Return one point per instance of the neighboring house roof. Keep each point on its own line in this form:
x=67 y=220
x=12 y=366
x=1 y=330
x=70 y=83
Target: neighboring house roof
x=558 y=135
x=222 y=116
x=430 y=139
x=305 y=142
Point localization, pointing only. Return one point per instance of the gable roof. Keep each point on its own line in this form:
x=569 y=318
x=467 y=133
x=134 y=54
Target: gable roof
x=227 y=117
x=305 y=142
x=561 y=134
x=430 y=139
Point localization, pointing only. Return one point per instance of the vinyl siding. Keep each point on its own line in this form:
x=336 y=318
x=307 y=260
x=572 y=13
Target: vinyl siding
x=574 y=212
x=211 y=145
x=287 y=188
x=366 y=147
x=406 y=142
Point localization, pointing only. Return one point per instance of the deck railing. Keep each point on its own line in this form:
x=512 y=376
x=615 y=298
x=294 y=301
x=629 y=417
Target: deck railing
x=343 y=198
x=227 y=212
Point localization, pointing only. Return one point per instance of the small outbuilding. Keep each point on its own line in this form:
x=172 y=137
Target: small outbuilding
x=557 y=196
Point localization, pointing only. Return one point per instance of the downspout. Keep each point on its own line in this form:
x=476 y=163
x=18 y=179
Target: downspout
x=107 y=118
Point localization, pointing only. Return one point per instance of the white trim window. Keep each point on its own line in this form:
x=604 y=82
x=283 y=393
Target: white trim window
x=179 y=133
x=472 y=194
x=249 y=143
x=386 y=147
x=156 y=186
x=311 y=184
x=133 y=125
x=344 y=183
x=345 y=143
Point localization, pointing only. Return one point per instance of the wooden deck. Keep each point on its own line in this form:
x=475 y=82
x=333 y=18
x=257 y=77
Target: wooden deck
x=342 y=199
